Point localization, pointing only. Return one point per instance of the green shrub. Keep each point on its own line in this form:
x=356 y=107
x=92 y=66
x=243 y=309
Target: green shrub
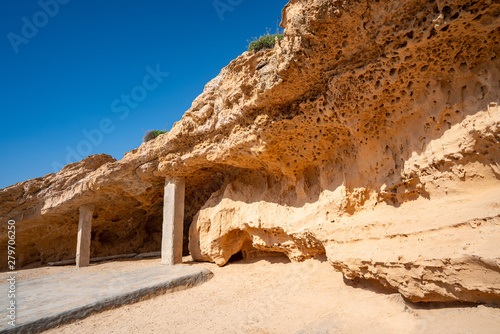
x=264 y=42
x=152 y=134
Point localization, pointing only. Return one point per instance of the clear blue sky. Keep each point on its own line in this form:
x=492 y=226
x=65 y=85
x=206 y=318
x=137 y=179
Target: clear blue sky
x=77 y=59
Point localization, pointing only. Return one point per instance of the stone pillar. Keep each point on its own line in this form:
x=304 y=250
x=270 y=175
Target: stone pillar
x=173 y=221
x=84 y=234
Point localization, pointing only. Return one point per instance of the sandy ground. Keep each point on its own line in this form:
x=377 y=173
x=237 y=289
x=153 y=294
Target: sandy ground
x=273 y=295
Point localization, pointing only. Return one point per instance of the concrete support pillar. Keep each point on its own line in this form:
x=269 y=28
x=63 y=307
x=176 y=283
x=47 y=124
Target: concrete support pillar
x=173 y=221
x=84 y=234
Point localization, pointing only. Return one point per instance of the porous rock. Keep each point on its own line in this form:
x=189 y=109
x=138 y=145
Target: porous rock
x=371 y=135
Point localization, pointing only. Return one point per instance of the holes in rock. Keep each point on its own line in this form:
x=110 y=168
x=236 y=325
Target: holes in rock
x=432 y=33
x=446 y=11
x=402 y=45
x=483 y=91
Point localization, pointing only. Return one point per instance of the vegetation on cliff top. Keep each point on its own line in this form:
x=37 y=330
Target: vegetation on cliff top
x=152 y=134
x=264 y=42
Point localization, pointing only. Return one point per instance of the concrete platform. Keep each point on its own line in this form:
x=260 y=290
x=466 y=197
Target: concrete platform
x=48 y=301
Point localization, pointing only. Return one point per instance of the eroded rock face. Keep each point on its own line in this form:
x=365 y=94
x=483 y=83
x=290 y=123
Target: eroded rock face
x=377 y=143
x=370 y=133
x=127 y=215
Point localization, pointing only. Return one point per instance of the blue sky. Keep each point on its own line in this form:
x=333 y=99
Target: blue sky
x=67 y=67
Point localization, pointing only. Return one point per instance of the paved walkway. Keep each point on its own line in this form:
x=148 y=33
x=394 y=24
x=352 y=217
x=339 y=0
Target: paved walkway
x=48 y=301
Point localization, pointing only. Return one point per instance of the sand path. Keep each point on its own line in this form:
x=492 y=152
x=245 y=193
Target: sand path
x=272 y=295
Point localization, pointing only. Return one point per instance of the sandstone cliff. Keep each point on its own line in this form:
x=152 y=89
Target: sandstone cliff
x=370 y=133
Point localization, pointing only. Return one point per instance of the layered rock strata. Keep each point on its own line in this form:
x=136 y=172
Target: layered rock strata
x=370 y=133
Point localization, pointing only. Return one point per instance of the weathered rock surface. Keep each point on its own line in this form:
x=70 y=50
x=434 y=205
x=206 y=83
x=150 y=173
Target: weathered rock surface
x=125 y=219
x=370 y=133
x=373 y=136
